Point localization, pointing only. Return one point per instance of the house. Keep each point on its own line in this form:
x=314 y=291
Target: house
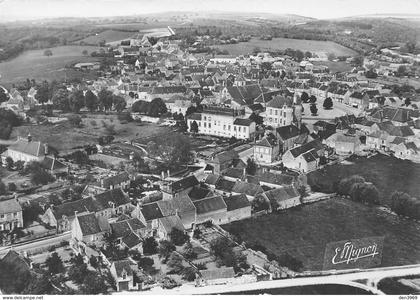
x=54 y=166
x=129 y=233
x=89 y=229
x=211 y=180
x=266 y=150
x=274 y=180
x=344 y=144
x=181 y=206
x=238 y=207
x=170 y=189
x=10 y=215
x=358 y=100
x=281 y=198
x=122 y=272
x=167 y=224
x=304 y=158
x=222 y=275
x=26 y=150
x=121 y=180
x=287 y=136
x=234 y=174
x=223 y=160
x=223 y=122
x=224 y=186
x=212 y=209
x=251 y=190
x=279 y=112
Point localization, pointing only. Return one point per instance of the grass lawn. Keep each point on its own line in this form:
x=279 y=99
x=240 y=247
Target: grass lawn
x=387 y=173
x=304 y=232
x=284 y=43
x=34 y=64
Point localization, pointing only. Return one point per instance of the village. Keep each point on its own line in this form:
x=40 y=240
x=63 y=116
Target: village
x=140 y=169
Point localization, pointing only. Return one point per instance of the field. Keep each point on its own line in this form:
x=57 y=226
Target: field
x=108 y=36
x=335 y=66
x=34 y=64
x=283 y=43
x=387 y=173
x=304 y=232
x=64 y=137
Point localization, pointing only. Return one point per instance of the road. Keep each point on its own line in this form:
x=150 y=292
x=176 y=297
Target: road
x=33 y=245
x=373 y=275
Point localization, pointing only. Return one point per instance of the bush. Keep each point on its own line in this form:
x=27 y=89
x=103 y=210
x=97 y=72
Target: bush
x=150 y=246
x=178 y=237
x=290 y=262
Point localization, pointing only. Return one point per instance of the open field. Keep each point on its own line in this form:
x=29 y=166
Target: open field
x=387 y=173
x=64 y=137
x=34 y=64
x=338 y=110
x=283 y=43
x=108 y=36
x=304 y=232
x=335 y=66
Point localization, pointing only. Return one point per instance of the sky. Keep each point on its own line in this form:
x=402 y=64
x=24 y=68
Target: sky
x=322 y=9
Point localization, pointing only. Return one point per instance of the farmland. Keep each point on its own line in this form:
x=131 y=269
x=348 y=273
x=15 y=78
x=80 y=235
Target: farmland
x=284 y=43
x=387 y=173
x=34 y=64
x=304 y=232
x=108 y=36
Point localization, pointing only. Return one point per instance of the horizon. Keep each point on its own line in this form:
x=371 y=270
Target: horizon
x=31 y=10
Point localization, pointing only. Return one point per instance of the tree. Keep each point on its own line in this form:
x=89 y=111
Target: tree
x=60 y=99
x=76 y=100
x=85 y=52
x=407 y=102
x=165 y=249
x=399 y=201
x=175 y=262
x=94 y=284
x=251 y=167
x=2 y=188
x=3 y=95
x=178 y=237
x=48 y=52
x=43 y=93
x=12 y=187
x=150 y=246
x=75 y=120
x=188 y=251
x=189 y=274
x=54 y=264
x=345 y=184
x=157 y=107
x=328 y=103
x=401 y=71
x=304 y=97
x=80 y=157
x=105 y=98
x=256 y=118
x=94 y=262
x=91 y=101
x=194 y=127
x=119 y=103
x=31 y=213
x=290 y=262
x=77 y=272
x=313 y=109
x=9 y=163
x=331 y=56
x=312 y=99
x=190 y=110
x=364 y=192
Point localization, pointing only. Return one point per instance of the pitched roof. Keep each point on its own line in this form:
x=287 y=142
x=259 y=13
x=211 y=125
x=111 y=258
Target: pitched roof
x=68 y=209
x=279 y=102
x=212 y=179
x=225 y=156
x=217 y=273
x=247 y=188
x=49 y=163
x=267 y=141
x=315 y=144
x=171 y=222
x=131 y=240
x=115 y=179
x=122 y=266
x=89 y=224
x=151 y=211
x=120 y=229
x=9 y=206
x=275 y=178
x=210 y=204
x=115 y=196
x=236 y=202
x=243 y=122
x=291 y=131
x=281 y=194
x=233 y=172
x=184 y=183
x=180 y=203
x=199 y=193
x=34 y=148
x=225 y=185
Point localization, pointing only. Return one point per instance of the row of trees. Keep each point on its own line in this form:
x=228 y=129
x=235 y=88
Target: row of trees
x=8 y=120
x=77 y=99
x=155 y=108
x=405 y=205
x=358 y=190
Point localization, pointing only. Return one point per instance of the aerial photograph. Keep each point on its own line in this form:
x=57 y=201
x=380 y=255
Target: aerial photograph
x=209 y=147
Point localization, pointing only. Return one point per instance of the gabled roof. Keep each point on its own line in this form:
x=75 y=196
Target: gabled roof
x=123 y=266
x=34 y=148
x=184 y=183
x=89 y=224
x=171 y=222
x=274 y=178
x=247 y=188
x=291 y=131
x=131 y=240
x=151 y=211
x=225 y=156
x=315 y=144
x=9 y=206
x=68 y=209
x=236 y=202
x=210 y=204
x=50 y=163
x=115 y=179
x=199 y=193
x=180 y=203
x=225 y=185
x=115 y=196
x=233 y=172
x=281 y=194
x=212 y=179
x=243 y=122
x=279 y=102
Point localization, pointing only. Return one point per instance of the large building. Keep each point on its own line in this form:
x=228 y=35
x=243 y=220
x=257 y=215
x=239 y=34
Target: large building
x=26 y=150
x=10 y=215
x=279 y=112
x=223 y=122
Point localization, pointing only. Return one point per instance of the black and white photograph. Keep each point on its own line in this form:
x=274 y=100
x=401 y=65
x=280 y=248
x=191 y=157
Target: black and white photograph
x=207 y=147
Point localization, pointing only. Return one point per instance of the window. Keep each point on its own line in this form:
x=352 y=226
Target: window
x=215 y=123
x=15 y=215
x=224 y=126
x=275 y=120
x=205 y=124
x=275 y=112
x=229 y=127
x=239 y=129
x=284 y=115
x=271 y=111
x=234 y=128
x=2 y=216
x=205 y=118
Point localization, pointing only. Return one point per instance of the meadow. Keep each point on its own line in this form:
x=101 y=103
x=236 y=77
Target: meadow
x=324 y=47
x=304 y=232
x=34 y=64
x=108 y=36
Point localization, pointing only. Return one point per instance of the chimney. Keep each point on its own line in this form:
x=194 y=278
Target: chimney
x=29 y=137
x=46 y=149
